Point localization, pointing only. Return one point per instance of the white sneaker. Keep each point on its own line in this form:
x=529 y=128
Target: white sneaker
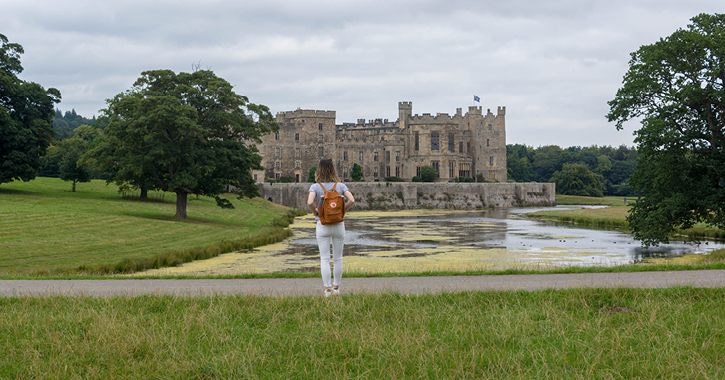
x=328 y=292
x=336 y=291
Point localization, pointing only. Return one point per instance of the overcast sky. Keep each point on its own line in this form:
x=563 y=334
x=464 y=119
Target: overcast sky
x=553 y=64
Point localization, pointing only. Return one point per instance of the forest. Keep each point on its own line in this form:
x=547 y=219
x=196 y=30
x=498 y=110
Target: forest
x=598 y=170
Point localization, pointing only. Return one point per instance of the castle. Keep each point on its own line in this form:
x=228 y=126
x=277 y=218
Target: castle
x=457 y=146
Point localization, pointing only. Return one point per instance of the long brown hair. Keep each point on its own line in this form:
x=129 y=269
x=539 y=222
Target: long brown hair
x=326 y=171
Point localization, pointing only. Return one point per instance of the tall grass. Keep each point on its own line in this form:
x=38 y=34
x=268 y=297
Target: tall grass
x=556 y=334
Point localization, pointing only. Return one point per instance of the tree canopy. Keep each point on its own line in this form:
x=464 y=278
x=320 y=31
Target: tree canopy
x=577 y=179
x=26 y=117
x=676 y=87
x=186 y=133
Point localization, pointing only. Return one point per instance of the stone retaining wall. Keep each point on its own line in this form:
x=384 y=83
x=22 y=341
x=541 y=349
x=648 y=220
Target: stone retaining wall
x=419 y=195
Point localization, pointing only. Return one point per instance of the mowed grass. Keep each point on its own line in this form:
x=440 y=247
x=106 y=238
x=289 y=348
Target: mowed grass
x=614 y=216
x=675 y=333
x=46 y=228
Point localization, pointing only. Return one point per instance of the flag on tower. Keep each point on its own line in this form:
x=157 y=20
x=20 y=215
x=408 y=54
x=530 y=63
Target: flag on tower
x=476 y=99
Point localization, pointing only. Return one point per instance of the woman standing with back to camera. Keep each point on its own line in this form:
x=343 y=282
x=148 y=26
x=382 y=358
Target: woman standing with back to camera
x=327 y=180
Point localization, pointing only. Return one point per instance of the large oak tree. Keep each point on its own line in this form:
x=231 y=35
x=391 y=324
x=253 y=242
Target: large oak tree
x=186 y=133
x=676 y=87
x=26 y=117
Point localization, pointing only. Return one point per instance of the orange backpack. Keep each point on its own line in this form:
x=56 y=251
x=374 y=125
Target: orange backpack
x=333 y=207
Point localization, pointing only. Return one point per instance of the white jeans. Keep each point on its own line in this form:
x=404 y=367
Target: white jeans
x=330 y=234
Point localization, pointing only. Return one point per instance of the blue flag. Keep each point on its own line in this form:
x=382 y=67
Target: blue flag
x=476 y=99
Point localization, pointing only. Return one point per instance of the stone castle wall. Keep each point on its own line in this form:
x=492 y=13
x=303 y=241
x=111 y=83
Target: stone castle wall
x=419 y=195
x=462 y=145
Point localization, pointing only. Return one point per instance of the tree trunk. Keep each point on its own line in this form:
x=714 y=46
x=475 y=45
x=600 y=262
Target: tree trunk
x=181 y=204
x=144 y=194
x=74 y=186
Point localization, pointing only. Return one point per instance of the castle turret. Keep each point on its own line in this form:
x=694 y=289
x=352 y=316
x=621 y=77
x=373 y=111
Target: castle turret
x=405 y=111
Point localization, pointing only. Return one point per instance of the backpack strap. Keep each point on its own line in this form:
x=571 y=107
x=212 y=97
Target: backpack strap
x=333 y=187
x=323 y=187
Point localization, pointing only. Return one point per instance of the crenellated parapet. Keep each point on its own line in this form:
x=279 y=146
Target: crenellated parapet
x=300 y=113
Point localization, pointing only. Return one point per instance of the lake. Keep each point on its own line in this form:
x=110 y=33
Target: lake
x=422 y=240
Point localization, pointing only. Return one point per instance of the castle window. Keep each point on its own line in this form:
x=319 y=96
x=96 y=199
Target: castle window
x=417 y=171
x=387 y=157
x=344 y=172
x=319 y=138
x=277 y=164
x=255 y=178
x=276 y=176
x=451 y=143
x=344 y=156
x=434 y=141
x=468 y=147
x=276 y=136
x=361 y=156
x=276 y=152
x=490 y=161
x=464 y=170
x=435 y=165
x=319 y=151
x=297 y=152
x=297 y=137
x=451 y=169
x=387 y=171
x=417 y=140
x=397 y=156
x=375 y=156
x=375 y=172
x=487 y=142
x=490 y=127
x=397 y=171
x=460 y=147
x=297 y=164
x=319 y=127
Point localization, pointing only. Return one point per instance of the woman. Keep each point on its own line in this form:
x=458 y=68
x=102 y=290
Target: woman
x=330 y=233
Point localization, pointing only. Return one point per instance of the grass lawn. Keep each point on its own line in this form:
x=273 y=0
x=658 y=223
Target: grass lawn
x=614 y=216
x=675 y=333
x=46 y=228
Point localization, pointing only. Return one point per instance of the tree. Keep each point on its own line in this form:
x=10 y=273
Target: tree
x=577 y=179
x=676 y=87
x=428 y=174
x=186 y=133
x=356 y=172
x=71 y=150
x=311 y=176
x=26 y=118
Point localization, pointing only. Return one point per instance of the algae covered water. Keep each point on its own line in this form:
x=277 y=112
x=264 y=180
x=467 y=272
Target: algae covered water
x=421 y=240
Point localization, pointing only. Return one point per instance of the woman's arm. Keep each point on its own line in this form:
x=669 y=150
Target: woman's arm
x=311 y=204
x=350 y=200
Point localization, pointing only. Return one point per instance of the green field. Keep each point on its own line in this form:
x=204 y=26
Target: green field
x=673 y=333
x=614 y=216
x=45 y=228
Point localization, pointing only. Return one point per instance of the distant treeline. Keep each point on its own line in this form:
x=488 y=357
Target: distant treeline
x=66 y=123
x=615 y=165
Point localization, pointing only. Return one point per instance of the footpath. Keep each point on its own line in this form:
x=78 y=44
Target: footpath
x=285 y=287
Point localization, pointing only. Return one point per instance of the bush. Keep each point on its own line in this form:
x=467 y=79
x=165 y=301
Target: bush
x=417 y=179
x=394 y=179
x=428 y=174
x=464 y=179
x=286 y=179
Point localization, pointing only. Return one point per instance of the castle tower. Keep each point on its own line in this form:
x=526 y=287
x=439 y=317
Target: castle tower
x=405 y=111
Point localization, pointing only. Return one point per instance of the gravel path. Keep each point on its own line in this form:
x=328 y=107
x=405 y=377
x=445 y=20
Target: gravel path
x=402 y=285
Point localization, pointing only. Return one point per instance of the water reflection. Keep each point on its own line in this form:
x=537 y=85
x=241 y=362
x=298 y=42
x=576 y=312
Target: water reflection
x=418 y=240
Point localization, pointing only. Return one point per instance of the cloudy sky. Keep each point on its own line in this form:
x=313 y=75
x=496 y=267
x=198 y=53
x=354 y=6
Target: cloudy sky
x=553 y=64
